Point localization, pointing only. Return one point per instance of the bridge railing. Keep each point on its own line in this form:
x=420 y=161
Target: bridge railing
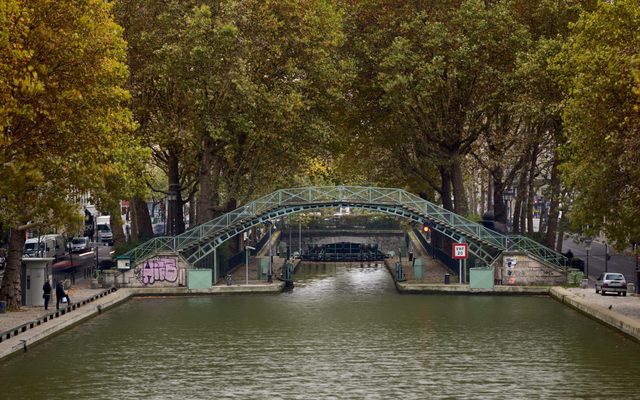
x=345 y=195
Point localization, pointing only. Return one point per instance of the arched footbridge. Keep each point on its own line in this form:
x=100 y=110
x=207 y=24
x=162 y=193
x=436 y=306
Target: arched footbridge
x=198 y=245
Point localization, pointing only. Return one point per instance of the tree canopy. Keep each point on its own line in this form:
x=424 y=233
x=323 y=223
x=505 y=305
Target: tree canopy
x=602 y=120
x=66 y=127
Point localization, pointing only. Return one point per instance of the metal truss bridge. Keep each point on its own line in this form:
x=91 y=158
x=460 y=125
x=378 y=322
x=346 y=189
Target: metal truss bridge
x=198 y=245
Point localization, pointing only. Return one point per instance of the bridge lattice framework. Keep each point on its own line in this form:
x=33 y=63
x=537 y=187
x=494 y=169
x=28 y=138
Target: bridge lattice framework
x=198 y=244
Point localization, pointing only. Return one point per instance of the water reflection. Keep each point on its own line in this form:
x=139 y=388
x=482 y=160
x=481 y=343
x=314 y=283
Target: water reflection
x=343 y=332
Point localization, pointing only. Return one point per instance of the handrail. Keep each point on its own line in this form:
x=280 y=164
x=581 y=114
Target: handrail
x=209 y=235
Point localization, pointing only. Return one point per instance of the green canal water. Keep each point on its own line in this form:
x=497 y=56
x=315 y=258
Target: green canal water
x=342 y=333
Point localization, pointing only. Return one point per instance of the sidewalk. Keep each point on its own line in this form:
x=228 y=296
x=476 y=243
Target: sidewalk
x=618 y=312
x=628 y=306
x=81 y=291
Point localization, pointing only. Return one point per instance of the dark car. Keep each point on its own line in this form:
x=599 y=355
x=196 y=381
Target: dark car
x=106 y=264
x=611 y=282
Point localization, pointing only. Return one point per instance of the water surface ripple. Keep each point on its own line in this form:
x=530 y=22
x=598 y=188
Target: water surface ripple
x=342 y=333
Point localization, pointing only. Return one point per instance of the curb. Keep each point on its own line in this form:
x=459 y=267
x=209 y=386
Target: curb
x=23 y=337
x=626 y=325
x=26 y=339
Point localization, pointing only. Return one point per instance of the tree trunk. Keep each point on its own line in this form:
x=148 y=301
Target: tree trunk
x=192 y=211
x=518 y=223
x=445 y=188
x=235 y=244
x=531 y=188
x=175 y=213
x=499 y=208
x=554 y=212
x=530 y=203
x=134 y=221
x=115 y=220
x=141 y=227
x=179 y=225
x=208 y=181
x=560 y=235
x=489 y=192
x=461 y=206
x=11 y=290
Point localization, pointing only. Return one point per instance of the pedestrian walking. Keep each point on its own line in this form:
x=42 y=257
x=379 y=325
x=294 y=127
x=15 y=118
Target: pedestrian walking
x=46 y=295
x=60 y=294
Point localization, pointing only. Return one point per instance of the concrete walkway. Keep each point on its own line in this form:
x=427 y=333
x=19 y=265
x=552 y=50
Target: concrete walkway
x=618 y=312
x=21 y=329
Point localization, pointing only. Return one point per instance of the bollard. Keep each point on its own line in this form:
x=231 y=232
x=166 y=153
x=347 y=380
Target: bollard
x=447 y=279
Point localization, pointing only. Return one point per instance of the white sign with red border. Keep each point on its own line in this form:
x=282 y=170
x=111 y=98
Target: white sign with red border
x=460 y=251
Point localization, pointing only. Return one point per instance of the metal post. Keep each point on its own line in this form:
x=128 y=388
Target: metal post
x=587 y=267
x=587 y=247
x=460 y=271
x=508 y=215
x=300 y=239
x=606 y=257
x=270 y=252
x=246 y=265
x=464 y=269
x=97 y=248
x=289 y=248
x=215 y=265
x=635 y=250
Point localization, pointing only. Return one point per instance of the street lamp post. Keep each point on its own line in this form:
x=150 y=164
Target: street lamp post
x=606 y=257
x=508 y=195
x=587 y=247
x=172 y=197
x=247 y=250
x=635 y=250
x=270 y=254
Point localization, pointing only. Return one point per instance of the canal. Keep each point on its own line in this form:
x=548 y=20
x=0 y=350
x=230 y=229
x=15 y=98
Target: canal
x=342 y=333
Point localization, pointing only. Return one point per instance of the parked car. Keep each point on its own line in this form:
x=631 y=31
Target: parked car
x=611 y=282
x=80 y=243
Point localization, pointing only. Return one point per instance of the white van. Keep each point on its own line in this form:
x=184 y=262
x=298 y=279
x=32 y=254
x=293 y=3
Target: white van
x=56 y=245
x=51 y=245
x=103 y=229
x=32 y=248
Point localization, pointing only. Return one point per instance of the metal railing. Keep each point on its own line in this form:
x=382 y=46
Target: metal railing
x=200 y=241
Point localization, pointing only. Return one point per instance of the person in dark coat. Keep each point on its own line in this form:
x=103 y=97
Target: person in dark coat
x=60 y=294
x=46 y=295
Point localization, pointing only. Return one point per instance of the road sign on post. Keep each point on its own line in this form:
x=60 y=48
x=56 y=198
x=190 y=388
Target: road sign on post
x=123 y=263
x=460 y=251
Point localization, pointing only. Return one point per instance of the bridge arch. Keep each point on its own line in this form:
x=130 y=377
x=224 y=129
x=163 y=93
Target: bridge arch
x=198 y=243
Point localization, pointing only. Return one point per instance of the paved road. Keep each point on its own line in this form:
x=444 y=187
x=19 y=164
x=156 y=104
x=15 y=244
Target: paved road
x=619 y=262
x=85 y=263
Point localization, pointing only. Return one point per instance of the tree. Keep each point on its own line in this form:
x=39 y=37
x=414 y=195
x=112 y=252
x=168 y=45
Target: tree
x=66 y=131
x=430 y=73
x=232 y=96
x=602 y=121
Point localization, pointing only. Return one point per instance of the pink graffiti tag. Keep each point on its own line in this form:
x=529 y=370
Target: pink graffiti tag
x=159 y=269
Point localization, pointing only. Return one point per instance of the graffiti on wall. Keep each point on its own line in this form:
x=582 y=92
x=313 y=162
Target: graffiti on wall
x=509 y=266
x=158 y=270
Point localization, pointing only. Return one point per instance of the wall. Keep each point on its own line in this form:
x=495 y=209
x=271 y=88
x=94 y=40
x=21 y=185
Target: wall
x=163 y=270
x=519 y=269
